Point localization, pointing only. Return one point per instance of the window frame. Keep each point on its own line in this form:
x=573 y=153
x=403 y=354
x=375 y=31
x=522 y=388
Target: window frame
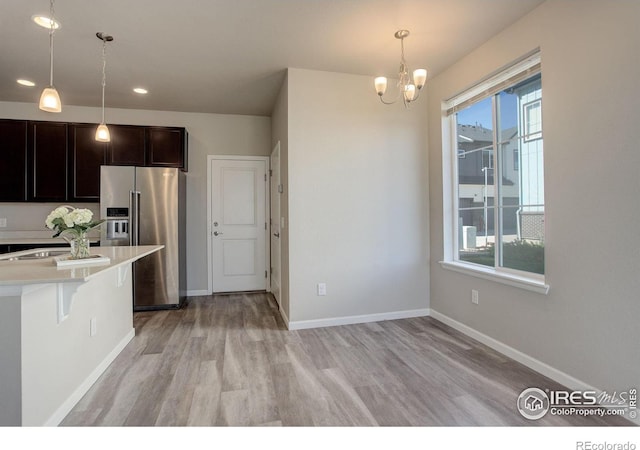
x=490 y=86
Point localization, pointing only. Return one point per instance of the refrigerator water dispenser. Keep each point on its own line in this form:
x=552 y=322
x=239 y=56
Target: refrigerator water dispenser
x=117 y=223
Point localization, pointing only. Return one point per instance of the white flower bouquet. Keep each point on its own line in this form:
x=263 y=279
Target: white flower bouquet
x=74 y=221
x=73 y=224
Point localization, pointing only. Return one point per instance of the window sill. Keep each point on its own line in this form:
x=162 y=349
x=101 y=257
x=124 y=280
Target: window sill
x=529 y=284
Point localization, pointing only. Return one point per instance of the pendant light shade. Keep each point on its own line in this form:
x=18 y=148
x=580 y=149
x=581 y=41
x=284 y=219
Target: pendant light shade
x=50 y=99
x=102 y=132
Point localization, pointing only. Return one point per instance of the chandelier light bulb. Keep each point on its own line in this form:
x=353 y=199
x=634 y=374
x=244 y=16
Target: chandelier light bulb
x=409 y=93
x=381 y=85
x=419 y=77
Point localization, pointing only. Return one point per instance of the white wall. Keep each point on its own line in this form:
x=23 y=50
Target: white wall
x=357 y=197
x=209 y=134
x=587 y=327
x=31 y=217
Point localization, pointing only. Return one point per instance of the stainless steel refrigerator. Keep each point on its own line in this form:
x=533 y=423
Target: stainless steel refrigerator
x=146 y=206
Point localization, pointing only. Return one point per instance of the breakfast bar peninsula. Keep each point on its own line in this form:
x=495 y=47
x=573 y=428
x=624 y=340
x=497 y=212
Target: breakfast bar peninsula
x=61 y=324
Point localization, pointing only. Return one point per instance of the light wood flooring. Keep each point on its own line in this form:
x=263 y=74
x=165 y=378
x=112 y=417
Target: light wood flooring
x=228 y=360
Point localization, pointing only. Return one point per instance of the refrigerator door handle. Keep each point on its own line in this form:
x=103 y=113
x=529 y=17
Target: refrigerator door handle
x=134 y=218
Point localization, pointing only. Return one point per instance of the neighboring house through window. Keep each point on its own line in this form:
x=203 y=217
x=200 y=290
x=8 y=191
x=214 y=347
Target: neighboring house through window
x=497 y=181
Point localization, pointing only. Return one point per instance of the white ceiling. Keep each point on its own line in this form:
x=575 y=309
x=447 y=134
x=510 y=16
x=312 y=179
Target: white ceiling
x=230 y=56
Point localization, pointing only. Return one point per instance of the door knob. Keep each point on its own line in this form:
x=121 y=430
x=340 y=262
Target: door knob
x=276 y=235
x=216 y=233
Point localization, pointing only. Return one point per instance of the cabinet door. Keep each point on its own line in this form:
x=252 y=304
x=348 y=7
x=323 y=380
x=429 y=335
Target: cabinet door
x=127 y=146
x=13 y=160
x=47 y=161
x=165 y=147
x=86 y=155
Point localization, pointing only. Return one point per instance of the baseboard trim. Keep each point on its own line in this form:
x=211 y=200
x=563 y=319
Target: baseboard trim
x=351 y=320
x=198 y=292
x=545 y=369
x=284 y=317
x=66 y=407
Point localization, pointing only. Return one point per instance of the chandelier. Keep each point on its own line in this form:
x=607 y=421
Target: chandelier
x=408 y=88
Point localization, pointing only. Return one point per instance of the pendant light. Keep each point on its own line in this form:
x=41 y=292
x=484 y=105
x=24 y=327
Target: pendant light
x=408 y=88
x=102 y=132
x=50 y=100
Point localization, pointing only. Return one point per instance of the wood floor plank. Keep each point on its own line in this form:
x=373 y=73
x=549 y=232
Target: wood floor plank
x=118 y=405
x=178 y=397
x=234 y=409
x=345 y=401
x=228 y=360
x=292 y=408
x=378 y=400
x=263 y=407
x=205 y=406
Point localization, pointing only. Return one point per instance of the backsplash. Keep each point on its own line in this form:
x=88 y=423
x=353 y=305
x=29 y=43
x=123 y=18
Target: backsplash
x=31 y=216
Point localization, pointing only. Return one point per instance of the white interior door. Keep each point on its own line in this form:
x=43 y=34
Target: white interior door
x=238 y=225
x=276 y=189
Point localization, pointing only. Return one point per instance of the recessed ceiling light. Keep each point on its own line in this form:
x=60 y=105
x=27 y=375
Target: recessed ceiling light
x=140 y=90
x=26 y=83
x=45 y=22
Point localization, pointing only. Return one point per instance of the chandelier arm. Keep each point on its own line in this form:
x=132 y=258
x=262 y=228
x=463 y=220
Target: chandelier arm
x=387 y=103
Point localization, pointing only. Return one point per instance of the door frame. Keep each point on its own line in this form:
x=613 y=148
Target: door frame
x=271 y=196
x=267 y=213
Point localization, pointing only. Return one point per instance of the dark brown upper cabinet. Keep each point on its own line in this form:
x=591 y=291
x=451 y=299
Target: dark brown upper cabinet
x=47 y=162
x=60 y=162
x=86 y=155
x=13 y=160
x=127 y=146
x=166 y=147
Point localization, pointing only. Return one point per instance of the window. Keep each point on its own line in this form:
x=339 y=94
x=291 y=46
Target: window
x=532 y=120
x=497 y=187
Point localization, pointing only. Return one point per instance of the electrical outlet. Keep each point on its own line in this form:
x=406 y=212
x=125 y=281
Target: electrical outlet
x=3 y=222
x=474 y=296
x=93 y=326
x=322 y=288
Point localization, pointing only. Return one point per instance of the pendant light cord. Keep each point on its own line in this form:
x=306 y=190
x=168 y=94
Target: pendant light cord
x=104 y=72
x=51 y=31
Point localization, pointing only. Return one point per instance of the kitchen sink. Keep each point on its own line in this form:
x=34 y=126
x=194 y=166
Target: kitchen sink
x=37 y=254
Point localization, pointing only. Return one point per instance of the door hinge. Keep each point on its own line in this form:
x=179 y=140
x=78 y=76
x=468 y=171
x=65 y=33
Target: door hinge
x=265 y=225
x=265 y=177
x=265 y=274
x=270 y=172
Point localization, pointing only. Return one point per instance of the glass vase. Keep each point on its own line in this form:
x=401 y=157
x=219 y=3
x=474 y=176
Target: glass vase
x=79 y=246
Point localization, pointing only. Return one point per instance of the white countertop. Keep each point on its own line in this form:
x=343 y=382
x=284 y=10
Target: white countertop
x=42 y=271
